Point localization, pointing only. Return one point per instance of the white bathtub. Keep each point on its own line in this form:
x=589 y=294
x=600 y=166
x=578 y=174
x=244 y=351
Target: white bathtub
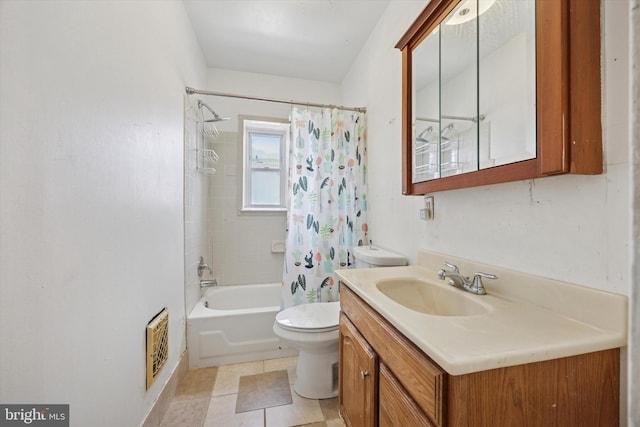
x=236 y=326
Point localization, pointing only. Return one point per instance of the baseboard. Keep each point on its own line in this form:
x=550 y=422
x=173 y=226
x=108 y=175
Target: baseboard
x=160 y=406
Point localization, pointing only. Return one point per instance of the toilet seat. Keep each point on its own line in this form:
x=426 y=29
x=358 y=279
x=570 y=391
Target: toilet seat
x=315 y=317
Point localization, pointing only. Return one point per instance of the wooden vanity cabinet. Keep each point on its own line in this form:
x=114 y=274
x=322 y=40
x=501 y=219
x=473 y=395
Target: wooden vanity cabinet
x=404 y=387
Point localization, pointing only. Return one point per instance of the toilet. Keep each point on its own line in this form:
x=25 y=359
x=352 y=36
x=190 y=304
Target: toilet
x=371 y=256
x=313 y=330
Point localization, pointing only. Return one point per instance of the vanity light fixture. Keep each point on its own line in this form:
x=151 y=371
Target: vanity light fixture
x=468 y=10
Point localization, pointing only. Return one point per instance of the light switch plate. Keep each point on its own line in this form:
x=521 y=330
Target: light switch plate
x=428 y=208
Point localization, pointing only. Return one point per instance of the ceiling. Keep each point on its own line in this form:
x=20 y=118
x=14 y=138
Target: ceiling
x=306 y=39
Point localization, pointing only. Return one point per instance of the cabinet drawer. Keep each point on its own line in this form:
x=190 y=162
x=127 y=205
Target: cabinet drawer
x=423 y=380
x=396 y=407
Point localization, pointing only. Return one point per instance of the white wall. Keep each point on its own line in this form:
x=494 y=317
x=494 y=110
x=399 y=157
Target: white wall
x=91 y=206
x=570 y=228
x=239 y=244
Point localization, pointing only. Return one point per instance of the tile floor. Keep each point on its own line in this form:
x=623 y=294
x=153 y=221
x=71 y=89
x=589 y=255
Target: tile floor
x=208 y=397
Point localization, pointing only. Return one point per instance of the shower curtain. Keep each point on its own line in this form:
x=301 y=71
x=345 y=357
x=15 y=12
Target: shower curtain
x=327 y=202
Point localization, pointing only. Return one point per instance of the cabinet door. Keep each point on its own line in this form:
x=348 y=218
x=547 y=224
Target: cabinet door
x=397 y=408
x=358 y=377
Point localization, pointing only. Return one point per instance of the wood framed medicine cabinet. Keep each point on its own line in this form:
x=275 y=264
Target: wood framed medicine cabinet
x=566 y=98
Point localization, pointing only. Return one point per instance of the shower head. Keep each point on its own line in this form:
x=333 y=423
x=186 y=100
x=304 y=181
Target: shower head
x=216 y=117
x=423 y=136
x=208 y=128
x=446 y=131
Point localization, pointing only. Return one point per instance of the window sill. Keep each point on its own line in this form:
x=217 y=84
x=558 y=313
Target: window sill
x=263 y=211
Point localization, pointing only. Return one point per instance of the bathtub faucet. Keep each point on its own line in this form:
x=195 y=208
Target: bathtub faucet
x=203 y=266
x=208 y=283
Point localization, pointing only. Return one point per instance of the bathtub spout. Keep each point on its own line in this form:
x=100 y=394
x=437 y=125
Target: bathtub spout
x=208 y=283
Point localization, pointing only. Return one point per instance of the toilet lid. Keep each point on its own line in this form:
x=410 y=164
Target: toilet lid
x=316 y=317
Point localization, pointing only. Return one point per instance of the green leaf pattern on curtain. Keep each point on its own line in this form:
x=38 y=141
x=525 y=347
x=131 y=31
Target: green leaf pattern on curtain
x=327 y=213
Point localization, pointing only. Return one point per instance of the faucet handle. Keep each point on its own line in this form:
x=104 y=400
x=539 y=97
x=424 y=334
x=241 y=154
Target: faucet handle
x=479 y=275
x=452 y=267
x=442 y=272
x=203 y=266
x=476 y=286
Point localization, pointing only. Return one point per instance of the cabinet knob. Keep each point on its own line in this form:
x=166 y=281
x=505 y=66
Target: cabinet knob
x=364 y=374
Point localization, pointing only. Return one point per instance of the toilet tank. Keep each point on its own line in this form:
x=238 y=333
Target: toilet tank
x=371 y=256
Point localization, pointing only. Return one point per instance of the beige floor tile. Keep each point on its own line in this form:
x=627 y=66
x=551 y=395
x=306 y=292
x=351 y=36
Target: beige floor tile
x=221 y=413
x=336 y=423
x=288 y=363
x=228 y=376
x=186 y=413
x=197 y=384
x=301 y=411
x=329 y=408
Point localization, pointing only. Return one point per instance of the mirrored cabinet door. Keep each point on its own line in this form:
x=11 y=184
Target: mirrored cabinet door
x=459 y=90
x=507 y=82
x=426 y=109
x=500 y=90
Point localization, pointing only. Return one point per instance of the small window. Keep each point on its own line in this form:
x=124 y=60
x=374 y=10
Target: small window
x=265 y=145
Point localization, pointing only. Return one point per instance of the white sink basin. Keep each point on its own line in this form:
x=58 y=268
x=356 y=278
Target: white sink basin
x=427 y=298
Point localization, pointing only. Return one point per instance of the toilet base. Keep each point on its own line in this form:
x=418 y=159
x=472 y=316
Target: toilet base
x=317 y=375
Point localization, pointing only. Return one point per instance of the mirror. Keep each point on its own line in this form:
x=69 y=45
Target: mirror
x=489 y=89
x=426 y=123
x=507 y=81
x=459 y=91
x=473 y=82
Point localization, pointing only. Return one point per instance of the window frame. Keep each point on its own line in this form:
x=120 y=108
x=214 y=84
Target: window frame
x=250 y=125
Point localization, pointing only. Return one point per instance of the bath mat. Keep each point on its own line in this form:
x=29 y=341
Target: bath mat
x=263 y=391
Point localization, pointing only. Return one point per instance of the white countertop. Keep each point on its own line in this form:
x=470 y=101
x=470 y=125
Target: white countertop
x=513 y=331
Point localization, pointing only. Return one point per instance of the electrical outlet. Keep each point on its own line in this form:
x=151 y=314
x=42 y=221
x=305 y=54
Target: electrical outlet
x=424 y=214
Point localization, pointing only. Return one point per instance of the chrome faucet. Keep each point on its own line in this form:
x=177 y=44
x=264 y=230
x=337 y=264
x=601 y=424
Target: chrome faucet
x=208 y=283
x=456 y=279
x=203 y=266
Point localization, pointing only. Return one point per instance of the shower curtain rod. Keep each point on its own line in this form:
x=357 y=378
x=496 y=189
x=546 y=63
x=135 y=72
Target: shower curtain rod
x=191 y=91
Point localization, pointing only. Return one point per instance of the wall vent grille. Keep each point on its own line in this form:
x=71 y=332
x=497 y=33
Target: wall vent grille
x=157 y=345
